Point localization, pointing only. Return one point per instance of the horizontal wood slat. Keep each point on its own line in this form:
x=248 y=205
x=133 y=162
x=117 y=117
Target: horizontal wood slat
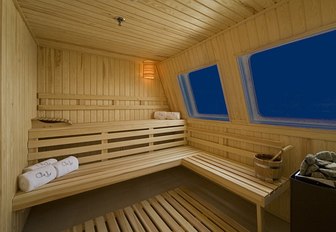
x=121 y=151
x=98 y=102
x=104 y=136
x=92 y=128
x=226 y=148
x=242 y=138
x=130 y=167
x=235 y=177
x=153 y=30
x=146 y=134
x=97 y=97
x=170 y=211
x=101 y=107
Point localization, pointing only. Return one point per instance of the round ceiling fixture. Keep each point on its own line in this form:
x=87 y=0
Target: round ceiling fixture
x=120 y=20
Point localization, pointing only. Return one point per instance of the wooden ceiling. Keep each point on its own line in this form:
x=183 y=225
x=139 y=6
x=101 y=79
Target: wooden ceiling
x=154 y=29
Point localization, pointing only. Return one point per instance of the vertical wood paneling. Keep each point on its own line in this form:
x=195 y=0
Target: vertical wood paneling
x=18 y=81
x=287 y=20
x=72 y=72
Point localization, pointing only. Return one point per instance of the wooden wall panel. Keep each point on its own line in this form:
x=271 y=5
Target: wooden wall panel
x=284 y=22
x=63 y=72
x=18 y=81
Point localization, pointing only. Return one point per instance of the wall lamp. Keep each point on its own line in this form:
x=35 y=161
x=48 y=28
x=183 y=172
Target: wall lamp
x=149 y=69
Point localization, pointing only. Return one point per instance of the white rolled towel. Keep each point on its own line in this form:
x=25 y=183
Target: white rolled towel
x=40 y=165
x=66 y=166
x=31 y=180
x=160 y=115
x=173 y=115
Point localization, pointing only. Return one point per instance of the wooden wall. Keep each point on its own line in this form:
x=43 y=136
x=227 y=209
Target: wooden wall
x=284 y=22
x=95 y=88
x=18 y=81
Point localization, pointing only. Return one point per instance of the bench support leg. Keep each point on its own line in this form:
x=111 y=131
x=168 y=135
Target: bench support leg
x=260 y=218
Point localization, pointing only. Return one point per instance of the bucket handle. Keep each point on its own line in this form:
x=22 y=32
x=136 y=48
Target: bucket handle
x=287 y=148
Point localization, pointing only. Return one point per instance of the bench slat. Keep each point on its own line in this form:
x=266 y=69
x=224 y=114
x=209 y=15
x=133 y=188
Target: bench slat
x=104 y=136
x=68 y=187
x=106 y=165
x=236 y=169
x=256 y=196
x=253 y=184
x=117 y=154
x=242 y=138
x=92 y=128
x=83 y=149
x=223 y=147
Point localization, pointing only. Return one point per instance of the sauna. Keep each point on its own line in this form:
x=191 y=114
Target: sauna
x=148 y=115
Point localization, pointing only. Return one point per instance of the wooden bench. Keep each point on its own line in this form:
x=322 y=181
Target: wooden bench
x=113 y=152
x=232 y=175
x=237 y=178
x=108 y=153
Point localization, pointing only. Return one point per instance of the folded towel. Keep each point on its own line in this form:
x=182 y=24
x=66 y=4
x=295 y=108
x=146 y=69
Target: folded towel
x=173 y=115
x=66 y=166
x=40 y=165
x=31 y=180
x=160 y=115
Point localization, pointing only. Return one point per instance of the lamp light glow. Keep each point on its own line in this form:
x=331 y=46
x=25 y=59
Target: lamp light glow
x=148 y=69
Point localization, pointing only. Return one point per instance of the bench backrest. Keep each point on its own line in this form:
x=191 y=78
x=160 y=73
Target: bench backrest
x=102 y=141
x=241 y=148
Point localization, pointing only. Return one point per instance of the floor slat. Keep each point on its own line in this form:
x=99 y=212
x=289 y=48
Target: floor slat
x=177 y=210
x=123 y=222
x=134 y=221
x=112 y=222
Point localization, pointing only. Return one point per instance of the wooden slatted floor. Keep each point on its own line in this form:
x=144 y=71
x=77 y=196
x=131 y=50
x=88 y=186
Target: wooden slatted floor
x=176 y=210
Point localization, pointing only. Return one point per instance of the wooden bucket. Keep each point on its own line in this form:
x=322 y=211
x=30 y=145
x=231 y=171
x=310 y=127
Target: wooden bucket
x=266 y=169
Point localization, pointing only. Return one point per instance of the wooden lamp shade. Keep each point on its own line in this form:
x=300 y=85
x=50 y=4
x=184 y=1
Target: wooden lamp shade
x=148 y=69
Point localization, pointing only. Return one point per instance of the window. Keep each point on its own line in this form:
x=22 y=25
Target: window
x=203 y=94
x=293 y=84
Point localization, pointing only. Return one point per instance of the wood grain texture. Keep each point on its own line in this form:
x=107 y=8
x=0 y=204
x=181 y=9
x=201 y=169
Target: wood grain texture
x=18 y=81
x=170 y=211
x=285 y=21
x=107 y=152
x=154 y=29
x=87 y=88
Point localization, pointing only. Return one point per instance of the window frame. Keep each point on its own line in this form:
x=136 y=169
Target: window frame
x=189 y=99
x=251 y=99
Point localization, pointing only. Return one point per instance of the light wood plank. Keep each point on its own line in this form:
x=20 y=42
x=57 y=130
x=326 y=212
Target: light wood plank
x=185 y=213
x=210 y=211
x=154 y=216
x=194 y=211
x=18 y=65
x=165 y=216
x=112 y=222
x=146 y=221
x=123 y=222
x=100 y=224
x=89 y=226
x=175 y=214
x=134 y=221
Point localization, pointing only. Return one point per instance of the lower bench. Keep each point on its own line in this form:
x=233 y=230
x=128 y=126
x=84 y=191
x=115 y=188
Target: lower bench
x=94 y=176
x=115 y=152
x=237 y=178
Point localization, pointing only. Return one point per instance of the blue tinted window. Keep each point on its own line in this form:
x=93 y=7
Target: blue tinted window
x=293 y=84
x=203 y=93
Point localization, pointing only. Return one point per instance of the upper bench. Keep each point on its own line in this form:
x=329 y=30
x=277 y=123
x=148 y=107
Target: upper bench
x=107 y=152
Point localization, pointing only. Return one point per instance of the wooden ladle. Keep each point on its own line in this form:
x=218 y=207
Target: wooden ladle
x=287 y=148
